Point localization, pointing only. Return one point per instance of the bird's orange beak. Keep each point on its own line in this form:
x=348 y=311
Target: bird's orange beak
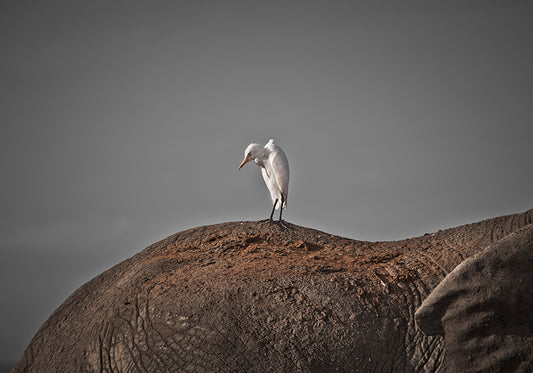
x=244 y=161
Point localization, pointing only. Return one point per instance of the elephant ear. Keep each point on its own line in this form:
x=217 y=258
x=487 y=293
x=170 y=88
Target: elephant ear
x=484 y=308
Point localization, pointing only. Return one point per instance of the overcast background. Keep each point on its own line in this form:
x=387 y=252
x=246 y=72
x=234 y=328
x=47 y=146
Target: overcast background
x=123 y=122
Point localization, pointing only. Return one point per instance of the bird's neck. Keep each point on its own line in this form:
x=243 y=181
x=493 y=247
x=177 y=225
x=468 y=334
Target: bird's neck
x=260 y=162
x=261 y=157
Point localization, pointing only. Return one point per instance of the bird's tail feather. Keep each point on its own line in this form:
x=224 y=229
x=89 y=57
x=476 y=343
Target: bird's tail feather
x=278 y=204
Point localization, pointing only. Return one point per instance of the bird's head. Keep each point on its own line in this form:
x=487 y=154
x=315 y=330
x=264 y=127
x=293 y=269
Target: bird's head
x=251 y=152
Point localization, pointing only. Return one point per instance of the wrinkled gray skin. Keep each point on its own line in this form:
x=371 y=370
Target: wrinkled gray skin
x=328 y=303
x=484 y=309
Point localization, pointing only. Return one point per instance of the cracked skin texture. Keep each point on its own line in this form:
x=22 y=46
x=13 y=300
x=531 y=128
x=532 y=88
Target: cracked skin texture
x=258 y=297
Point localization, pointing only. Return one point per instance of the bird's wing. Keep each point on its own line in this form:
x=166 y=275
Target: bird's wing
x=280 y=170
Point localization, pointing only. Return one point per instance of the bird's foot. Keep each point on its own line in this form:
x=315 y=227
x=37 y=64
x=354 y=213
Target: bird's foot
x=276 y=222
x=283 y=225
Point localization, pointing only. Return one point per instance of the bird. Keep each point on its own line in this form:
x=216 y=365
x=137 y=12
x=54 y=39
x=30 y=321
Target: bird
x=275 y=170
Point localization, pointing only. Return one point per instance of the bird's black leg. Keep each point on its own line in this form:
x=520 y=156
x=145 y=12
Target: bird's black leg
x=273 y=208
x=281 y=210
x=281 y=207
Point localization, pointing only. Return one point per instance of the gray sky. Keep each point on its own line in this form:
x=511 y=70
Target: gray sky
x=124 y=122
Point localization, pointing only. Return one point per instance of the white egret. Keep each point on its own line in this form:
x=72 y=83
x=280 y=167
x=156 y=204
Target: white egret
x=275 y=169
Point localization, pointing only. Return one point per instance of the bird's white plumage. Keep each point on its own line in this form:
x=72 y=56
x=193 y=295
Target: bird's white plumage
x=274 y=168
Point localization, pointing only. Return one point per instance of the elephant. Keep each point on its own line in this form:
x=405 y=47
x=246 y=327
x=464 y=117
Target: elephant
x=255 y=296
x=483 y=309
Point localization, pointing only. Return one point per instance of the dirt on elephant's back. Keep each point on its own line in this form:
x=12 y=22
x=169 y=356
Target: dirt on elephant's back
x=265 y=250
x=261 y=250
